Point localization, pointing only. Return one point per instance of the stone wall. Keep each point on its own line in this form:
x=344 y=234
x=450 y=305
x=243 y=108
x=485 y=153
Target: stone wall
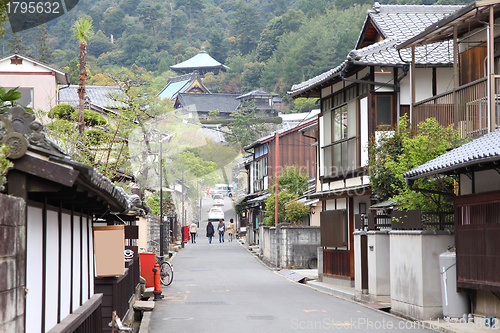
x=12 y=263
x=287 y=246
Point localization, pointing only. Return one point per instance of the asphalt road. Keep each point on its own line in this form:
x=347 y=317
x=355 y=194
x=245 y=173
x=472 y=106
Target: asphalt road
x=222 y=287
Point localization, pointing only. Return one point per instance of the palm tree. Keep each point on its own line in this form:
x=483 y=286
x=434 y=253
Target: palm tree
x=82 y=29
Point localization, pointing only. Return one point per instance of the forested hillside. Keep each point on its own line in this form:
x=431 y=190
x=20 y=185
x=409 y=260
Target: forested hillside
x=266 y=43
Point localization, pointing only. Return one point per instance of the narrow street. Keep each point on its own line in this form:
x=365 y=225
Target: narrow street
x=222 y=287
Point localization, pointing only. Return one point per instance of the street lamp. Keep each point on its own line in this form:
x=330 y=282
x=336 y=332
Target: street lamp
x=162 y=238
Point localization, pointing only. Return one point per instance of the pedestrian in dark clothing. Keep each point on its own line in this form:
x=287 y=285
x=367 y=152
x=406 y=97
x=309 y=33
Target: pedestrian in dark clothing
x=210 y=231
x=222 y=229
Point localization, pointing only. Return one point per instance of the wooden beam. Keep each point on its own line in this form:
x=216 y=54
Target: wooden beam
x=46 y=170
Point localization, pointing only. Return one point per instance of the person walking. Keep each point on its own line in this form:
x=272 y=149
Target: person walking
x=193 y=230
x=210 y=231
x=230 y=230
x=222 y=229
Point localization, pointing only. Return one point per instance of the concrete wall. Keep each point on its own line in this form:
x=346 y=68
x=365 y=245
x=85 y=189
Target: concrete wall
x=415 y=279
x=379 y=266
x=12 y=263
x=287 y=246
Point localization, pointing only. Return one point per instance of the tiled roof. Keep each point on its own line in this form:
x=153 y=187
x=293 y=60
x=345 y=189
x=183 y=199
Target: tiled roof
x=402 y=22
x=201 y=60
x=225 y=103
x=481 y=150
x=103 y=96
x=396 y=24
x=175 y=85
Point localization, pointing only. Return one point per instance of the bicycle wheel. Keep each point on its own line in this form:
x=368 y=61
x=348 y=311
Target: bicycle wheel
x=166 y=273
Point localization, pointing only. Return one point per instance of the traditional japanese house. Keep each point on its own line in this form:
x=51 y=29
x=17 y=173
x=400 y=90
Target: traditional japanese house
x=471 y=102
x=477 y=217
x=50 y=205
x=37 y=81
x=363 y=96
x=293 y=147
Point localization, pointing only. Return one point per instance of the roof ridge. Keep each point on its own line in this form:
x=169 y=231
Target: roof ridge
x=413 y=9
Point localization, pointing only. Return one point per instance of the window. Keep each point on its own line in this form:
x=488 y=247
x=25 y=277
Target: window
x=384 y=110
x=27 y=99
x=260 y=172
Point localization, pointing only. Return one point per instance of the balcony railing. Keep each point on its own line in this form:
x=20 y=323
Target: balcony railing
x=472 y=110
x=409 y=220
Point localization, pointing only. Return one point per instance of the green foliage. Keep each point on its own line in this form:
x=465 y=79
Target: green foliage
x=62 y=111
x=213 y=114
x=305 y=104
x=245 y=126
x=295 y=211
x=8 y=98
x=292 y=179
x=83 y=29
x=153 y=201
x=95 y=137
x=284 y=197
x=91 y=118
x=292 y=183
x=404 y=150
x=5 y=164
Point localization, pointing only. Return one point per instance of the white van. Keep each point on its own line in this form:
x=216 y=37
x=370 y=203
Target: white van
x=224 y=189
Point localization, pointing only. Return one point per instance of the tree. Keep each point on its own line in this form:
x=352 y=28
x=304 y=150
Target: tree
x=82 y=30
x=305 y=104
x=245 y=28
x=16 y=43
x=404 y=149
x=41 y=43
x=292 y=183
x=245 y=126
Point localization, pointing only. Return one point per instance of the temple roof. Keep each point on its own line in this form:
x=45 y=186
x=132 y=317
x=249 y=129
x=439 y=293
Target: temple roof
x=202 y=62
x=181 y=84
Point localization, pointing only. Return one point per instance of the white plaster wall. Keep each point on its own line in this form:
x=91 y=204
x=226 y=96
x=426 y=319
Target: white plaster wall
x=379 y=267
x=33 y=270
x=315 y=215
x=52 y=271
x=465 y=185
x=364 y=136
x=342 y=203
x=357 y=263
x=44 y=88
x=415 y=282
x=486 y=181
x=361 y=199
x=84 y=265
x=76 y=263
x=91 y=272
x=66 y=265
x=444 y=79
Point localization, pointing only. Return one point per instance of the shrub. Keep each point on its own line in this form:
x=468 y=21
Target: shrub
x=62 y=111
x=91 y=118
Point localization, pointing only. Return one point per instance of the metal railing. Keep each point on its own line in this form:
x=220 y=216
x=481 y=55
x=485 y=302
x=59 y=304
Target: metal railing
x=407 y=220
